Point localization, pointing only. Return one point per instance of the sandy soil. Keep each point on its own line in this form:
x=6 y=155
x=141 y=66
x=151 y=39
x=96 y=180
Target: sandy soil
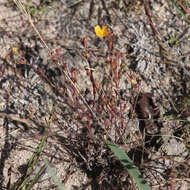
x=159 y=105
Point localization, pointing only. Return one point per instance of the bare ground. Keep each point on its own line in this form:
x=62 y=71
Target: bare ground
x=157 y=100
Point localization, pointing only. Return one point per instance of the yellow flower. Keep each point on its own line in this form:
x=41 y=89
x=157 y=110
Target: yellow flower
x=15 y=50
x=101 y=32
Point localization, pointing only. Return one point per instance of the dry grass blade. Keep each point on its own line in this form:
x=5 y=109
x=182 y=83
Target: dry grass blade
x=28 y=16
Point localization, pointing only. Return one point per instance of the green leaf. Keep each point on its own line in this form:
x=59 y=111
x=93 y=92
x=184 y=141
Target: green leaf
x=180 y=10
x=32 y=163
x=53 y=175
x=131 y=168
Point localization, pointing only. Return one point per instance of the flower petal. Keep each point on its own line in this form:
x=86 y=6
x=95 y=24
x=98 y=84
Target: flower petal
x=105 y=31
x=99 y=31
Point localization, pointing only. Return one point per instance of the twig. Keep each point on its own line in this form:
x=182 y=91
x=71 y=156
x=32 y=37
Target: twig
x=165 y=55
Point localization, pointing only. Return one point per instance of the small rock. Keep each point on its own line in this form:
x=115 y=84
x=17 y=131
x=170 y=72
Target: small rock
x=2 y=104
